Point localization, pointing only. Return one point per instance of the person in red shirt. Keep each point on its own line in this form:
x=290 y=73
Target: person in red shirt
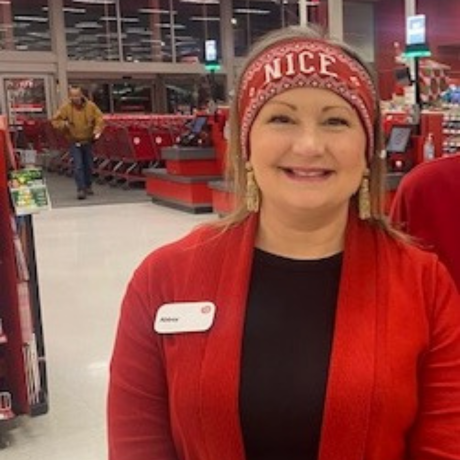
x=427 y=206
x=301 y=326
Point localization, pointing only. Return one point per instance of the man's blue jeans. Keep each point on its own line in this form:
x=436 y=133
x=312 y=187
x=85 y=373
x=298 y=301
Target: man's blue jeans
x=82 y=155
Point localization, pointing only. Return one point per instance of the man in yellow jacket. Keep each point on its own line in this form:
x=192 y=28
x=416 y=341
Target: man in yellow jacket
x=82 y=123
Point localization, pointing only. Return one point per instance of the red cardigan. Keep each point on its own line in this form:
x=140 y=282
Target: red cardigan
x=394 y=382
x=427 y=203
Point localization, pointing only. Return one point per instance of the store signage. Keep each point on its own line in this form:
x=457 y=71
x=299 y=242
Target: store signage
x=28 y=191
x=416 y=30
x=210 y=51
x=210 y=55
x=416 y=44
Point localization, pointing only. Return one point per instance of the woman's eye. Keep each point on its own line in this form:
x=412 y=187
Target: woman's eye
x=337 y=121
x=280 y=119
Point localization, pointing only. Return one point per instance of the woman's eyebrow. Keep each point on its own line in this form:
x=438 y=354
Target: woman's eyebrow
x=335 y=107
x=287 y=104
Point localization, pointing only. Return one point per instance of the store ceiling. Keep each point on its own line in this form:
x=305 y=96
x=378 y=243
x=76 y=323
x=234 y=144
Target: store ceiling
x=91 y=25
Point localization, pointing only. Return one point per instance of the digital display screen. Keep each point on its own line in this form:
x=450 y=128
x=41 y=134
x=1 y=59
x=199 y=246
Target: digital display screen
x=398 y=139
x=198 y=125
x=210 y=51
x=416 y=29
x=403 y=76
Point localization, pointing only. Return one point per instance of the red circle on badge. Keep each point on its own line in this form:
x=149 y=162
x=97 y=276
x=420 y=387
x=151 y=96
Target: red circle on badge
x=205 y=310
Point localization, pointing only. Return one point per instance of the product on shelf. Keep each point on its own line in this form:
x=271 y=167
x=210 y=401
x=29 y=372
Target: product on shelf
x=6 y=411
x=23 y=383
x=451 y=129
x=428 y=148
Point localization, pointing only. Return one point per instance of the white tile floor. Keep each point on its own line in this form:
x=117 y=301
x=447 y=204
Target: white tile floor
x=85 y=258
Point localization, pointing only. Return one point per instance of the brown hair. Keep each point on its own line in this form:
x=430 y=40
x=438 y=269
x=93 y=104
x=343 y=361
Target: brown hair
x=235 y=167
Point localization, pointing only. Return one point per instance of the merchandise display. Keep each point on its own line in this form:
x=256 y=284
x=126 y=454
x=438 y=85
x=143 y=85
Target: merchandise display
x=23 y=384
x=451 y=129
x=6 y=407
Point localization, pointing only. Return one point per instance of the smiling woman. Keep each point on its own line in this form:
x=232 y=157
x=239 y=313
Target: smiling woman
x=295 y=335
x=308 y=152
x=330 y=75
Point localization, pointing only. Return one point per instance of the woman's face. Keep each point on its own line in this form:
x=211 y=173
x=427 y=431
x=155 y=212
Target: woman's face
x=307 y=147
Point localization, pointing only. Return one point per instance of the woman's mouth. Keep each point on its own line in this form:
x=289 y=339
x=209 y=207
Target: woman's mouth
x=308 y=174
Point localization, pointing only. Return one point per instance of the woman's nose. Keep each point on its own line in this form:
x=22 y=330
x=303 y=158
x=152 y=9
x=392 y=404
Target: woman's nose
x=309 y=141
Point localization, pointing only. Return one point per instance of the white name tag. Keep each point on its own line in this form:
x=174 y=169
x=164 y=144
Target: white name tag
x=180 y=317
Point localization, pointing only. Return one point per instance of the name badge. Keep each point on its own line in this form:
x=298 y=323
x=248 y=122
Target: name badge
x=180 y=317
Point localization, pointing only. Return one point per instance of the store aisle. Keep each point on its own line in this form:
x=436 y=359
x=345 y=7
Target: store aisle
x=63 y=193
x=85 y=258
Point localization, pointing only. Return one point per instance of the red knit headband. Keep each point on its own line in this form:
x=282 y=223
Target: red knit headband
x=297 y=63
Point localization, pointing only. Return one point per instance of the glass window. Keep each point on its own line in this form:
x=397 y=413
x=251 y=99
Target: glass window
x=100 y=95
x=26 y=98
x=185 y=93
x=132 y=97
x=24 y=25
x=181 y=93
x=358 y=25
x=290 y=13
x=98 y=92
x=197 y=21
x=91 y=30
x=146 y=30
x=118 y=96
x=251 y=20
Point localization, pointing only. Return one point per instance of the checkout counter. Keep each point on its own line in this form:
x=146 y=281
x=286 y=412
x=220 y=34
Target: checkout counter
x=405 y=145
x=190 y=166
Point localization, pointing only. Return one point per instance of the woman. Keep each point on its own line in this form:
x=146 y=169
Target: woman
x=301 y=327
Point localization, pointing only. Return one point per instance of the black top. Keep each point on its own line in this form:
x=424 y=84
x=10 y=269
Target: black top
x=286 y=352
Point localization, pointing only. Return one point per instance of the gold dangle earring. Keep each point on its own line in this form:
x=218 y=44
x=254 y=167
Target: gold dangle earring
x=252 y=190
x=364 y=199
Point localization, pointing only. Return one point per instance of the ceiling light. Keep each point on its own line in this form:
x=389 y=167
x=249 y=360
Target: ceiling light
x=153 y=41
x=74 y=10
x=113 y=18
x=138 y=30
x=111 y=36
x=39 y=34
x=88 y=25
x=67 y=9
x=250 y=11
x=163 y=25
x=205 y=2
x=204 y=18
x=31 y=18
x=5 y=2
x=155 y=11
x=95 y=2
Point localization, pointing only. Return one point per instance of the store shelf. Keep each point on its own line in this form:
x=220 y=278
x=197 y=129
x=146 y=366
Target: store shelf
x=23 y=382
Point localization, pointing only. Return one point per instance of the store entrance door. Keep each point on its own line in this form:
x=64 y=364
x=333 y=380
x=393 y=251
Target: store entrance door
x=25 y=98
